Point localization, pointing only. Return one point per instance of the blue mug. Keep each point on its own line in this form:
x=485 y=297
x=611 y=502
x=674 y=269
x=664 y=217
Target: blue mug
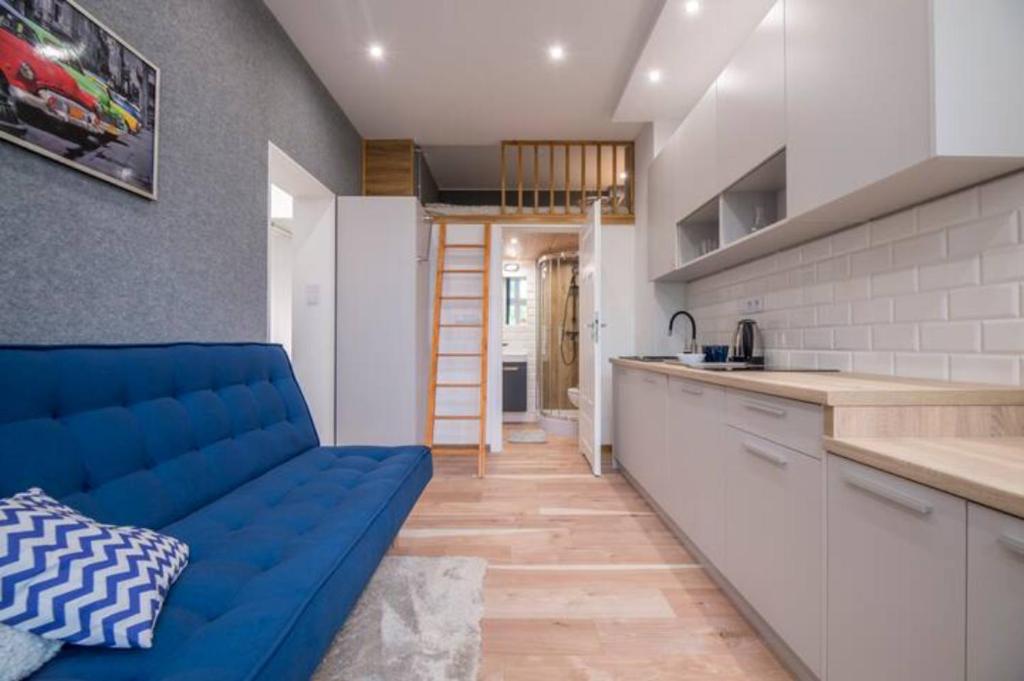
x=716 y=353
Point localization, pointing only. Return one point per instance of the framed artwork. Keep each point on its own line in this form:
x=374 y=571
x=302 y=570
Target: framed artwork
x=72 y=90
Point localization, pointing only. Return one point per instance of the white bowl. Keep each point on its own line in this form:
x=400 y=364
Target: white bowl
x=690 y=358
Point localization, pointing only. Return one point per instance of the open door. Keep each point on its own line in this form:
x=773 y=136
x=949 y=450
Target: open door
x=590 y=339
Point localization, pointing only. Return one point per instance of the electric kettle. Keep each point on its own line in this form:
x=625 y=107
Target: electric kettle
x=747 y=345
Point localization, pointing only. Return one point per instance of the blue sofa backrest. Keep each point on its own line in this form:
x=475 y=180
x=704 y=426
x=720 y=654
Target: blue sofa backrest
x=145 y=435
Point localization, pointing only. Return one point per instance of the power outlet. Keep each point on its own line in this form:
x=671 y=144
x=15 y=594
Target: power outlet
x=751 y=305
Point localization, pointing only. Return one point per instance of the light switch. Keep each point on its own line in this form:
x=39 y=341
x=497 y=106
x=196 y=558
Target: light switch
x=312 y=294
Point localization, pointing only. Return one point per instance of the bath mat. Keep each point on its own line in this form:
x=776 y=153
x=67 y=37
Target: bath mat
x=418 y=620
x=527 y=436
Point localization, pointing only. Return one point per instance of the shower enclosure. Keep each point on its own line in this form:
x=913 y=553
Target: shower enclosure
x=557 y=333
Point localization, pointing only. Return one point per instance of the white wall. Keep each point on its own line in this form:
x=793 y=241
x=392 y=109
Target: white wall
x=313 y=308
x=935 y=291
x=653 y=303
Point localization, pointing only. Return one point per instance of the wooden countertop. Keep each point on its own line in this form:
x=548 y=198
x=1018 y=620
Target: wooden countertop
x=989 y=471
x=842 y=389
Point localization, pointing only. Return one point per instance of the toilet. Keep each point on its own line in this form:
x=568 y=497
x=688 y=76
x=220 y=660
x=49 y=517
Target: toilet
x=574 y=396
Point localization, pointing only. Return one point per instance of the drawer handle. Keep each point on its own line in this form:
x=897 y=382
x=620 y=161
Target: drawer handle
x=690 y=391
x=885 y=492
x=1015 y=544
x=652 y=381
x=765 y=409
x=762 y=453
x=512 y=369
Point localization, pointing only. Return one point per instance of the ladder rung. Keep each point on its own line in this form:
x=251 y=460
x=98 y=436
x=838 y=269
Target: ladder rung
x=458 y=417
x=462 y=297
x=463 y=245
x=458 y=385
x=455 y=450
x=458 y=354
x=462 y=271
x=462 y=326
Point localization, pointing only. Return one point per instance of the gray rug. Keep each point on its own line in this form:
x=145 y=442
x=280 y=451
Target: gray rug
x=418 y=620
x=527 y=436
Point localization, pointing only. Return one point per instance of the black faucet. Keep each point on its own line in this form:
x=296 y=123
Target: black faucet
x=693 y=325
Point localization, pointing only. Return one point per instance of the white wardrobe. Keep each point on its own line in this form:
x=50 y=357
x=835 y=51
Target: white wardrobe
x=383 y=332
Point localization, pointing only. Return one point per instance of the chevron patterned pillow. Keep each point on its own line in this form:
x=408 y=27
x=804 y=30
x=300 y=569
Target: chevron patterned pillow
x=65 y=577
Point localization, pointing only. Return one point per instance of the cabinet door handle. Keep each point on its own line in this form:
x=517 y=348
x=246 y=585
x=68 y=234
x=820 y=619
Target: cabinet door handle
x=690 y=391
x=765 y=409
x=888 y=493
x=762 y=453
x=1015 y=544
x=652 y=381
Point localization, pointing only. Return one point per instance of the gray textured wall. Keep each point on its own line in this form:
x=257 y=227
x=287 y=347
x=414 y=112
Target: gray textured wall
x=84 y=261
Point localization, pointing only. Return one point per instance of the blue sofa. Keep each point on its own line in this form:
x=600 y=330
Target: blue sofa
x=212 y=444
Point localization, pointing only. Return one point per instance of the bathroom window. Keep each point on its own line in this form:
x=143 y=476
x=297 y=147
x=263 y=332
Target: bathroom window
x=515 y=301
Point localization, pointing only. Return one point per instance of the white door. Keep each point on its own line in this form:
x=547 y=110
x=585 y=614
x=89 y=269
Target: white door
x=590 y=340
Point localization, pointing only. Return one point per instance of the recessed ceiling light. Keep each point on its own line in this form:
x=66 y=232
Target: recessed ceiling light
x=692 y=6
x=654 y=75
x=376 y=51
x=556 y=53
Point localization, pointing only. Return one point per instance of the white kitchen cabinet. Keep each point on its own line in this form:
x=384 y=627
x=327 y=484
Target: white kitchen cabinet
x=902 y=92
x=697 y=153
x=661 y=227
x=897 y=575
x=640 y=428
x=995 y=595
x=696 y=464
x=774 y=534
x=751 y=101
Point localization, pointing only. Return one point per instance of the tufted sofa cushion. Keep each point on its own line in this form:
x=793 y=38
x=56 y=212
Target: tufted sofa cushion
x=214 y=445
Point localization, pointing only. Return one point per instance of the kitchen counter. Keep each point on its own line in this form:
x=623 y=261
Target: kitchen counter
x=841 y=388
x=989 y=471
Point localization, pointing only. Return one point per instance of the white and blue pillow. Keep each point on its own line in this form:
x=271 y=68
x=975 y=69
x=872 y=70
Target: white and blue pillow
x=65 y=577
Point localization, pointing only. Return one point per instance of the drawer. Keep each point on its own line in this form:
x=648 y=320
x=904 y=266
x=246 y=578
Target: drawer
x=794 y=424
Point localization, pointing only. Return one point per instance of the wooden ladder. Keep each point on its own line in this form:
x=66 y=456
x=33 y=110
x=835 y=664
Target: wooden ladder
x=436 y=352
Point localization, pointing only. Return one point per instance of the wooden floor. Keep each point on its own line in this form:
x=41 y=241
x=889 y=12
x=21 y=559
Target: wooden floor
x=584 y=581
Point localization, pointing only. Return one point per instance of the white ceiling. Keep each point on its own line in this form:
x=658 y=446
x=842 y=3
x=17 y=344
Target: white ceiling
x=690 y=50
x=473 y=72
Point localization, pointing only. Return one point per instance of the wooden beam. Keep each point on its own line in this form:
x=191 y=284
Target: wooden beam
x=503 y=178
x=567 y=181
x=551 y=179
x=599 y=174
x=519 y=176
x=536 y=178
x=583 y=178
x=615 y=178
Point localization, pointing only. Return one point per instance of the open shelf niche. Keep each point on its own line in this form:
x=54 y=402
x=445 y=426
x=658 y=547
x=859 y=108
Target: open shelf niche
x=754 y=202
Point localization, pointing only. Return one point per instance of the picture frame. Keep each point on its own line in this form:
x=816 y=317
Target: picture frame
x=74 y=91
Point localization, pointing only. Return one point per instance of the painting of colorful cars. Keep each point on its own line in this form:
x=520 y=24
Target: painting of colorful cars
x=73 y=91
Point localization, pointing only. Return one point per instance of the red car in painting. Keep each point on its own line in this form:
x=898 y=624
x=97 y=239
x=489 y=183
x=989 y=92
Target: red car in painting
x=39 y=87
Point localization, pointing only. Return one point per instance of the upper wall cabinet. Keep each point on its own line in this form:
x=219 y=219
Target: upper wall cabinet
x=890 y=103
x=751 y=105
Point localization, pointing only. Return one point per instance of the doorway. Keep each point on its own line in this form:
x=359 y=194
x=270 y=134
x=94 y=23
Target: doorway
x=301 y=281
x=539 y=334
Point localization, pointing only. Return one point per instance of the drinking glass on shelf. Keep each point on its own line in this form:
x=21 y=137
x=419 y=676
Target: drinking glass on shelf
x=707 y=245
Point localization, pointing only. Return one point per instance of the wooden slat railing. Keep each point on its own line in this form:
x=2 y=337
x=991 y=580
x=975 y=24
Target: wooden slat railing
x=564 y=175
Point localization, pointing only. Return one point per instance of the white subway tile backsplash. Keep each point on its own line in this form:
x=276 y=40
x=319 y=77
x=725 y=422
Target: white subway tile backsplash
x=876 y=311
x=920 y=307
x=893 y=227
x=949 y=275
x=873 y=363
x=951 y=337
x=920 y=365
x=871 y=261
x=919 y=250
x=1004 y=336
x=985 y=302
x=834 y=315
x=853 y=338
x=983 y=235
x=985 y=369
x=818 y=339
x=1006 y=264
x=1004 y=194
x=933 y=291
x=853 y=289
x=849 y=240
x=894 y=337
x=894 y=283
x=949 y=210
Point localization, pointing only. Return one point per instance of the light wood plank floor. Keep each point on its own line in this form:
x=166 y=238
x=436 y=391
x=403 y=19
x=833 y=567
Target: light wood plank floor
x=584 y=581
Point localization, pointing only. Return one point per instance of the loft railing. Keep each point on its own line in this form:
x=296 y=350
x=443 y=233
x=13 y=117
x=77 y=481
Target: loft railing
x=559 y=177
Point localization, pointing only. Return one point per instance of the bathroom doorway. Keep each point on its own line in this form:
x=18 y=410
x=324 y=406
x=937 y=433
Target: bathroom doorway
x=301 y=280
x=540 y=333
